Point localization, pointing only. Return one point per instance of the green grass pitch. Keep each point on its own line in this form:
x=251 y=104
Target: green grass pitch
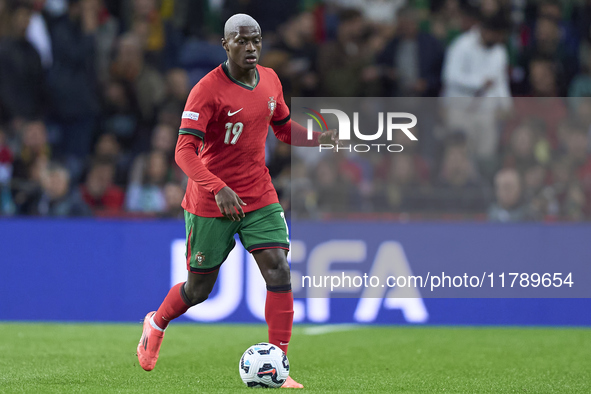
x=44 y=358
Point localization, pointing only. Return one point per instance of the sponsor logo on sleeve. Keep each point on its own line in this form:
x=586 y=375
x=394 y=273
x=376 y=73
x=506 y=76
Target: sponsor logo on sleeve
x=190 y=115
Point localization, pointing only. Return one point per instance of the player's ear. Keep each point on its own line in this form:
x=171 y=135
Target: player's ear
x=225 y=44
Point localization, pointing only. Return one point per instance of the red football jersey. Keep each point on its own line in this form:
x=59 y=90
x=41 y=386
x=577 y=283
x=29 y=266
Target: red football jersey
x=233 y=120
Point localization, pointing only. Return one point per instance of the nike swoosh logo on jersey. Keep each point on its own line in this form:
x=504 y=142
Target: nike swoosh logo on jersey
x=234 y=113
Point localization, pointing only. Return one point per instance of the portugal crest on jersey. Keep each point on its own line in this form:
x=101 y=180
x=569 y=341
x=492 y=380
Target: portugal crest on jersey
x=272 y=104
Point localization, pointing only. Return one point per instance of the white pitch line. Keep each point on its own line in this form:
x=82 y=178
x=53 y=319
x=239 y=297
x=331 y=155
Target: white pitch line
x=328 y=328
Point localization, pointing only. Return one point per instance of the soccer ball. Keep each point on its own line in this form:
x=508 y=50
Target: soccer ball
x=264 y=365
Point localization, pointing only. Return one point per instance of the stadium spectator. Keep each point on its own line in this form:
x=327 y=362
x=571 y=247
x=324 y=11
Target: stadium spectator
x=107 y=148
x=170 y=115
x=582 y=112
x=177 y=91
x=33 y=145
x=508 y=191
x=411 y=62
x=575 y=206
x=26 y=190
x=402 y=179
x=526 y=148
x=163 y=140
x=450 y=18
x=147 y=195
x=548 y=42
x=280 y=159
x=38 y=34
x=301 y=201
x=173 y=197
x=146 y=83
x=542 y=78
x=458 y=187
x=99 y=192
x=375 y=12
x=551 y=111
x=55 y=198
x=476 y=63
x=105 y=37
x=341 y=61
x=534 y=187
x=476 y=66
x=29 y=163
x=556 y=10
x=72 y=80
x=332 y=193
x=159 y=39
x=177 y=87
x=21 y=73
x=294 y=56
x=400 y=188
x=121 y=113
x=565 y=195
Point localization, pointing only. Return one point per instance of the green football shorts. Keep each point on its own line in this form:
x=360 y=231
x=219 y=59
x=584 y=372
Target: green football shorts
x=210 y=240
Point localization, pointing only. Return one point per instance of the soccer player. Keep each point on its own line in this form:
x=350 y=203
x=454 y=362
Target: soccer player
x=221 y=148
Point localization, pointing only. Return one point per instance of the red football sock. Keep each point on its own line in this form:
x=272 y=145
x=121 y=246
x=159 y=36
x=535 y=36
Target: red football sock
x=172 y=307
x=279 y=316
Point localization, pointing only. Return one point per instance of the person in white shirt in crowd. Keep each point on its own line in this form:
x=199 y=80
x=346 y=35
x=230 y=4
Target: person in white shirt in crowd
x=476 y=67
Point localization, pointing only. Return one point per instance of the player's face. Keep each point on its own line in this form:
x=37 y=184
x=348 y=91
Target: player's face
x=244 y=48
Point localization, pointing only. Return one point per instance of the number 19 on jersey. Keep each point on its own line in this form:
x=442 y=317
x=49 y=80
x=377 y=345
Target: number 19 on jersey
x=233 y=131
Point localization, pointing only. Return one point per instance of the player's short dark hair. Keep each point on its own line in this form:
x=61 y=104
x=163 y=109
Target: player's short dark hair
x=499 y=22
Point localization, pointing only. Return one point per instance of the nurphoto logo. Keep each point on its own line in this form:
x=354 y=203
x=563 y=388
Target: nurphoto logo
x=392 y=123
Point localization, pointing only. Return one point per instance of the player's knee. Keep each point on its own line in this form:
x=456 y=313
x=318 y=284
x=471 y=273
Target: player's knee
x=278 y=274
x=196 y=295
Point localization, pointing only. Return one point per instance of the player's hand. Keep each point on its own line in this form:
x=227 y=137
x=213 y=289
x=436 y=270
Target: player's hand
x=230 y=204
x=330 y=137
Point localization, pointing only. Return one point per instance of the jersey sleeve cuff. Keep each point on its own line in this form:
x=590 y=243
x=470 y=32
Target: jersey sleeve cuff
x=218 y=187
x=282 y=121
x=195 y=132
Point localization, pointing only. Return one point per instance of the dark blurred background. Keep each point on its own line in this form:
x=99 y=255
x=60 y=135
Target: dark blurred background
x=91 y=93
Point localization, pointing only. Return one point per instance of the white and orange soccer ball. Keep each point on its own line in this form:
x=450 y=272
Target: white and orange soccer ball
x=264 y=365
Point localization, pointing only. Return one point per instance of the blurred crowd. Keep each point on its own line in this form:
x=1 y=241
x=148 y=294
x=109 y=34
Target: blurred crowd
x=91 y=93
